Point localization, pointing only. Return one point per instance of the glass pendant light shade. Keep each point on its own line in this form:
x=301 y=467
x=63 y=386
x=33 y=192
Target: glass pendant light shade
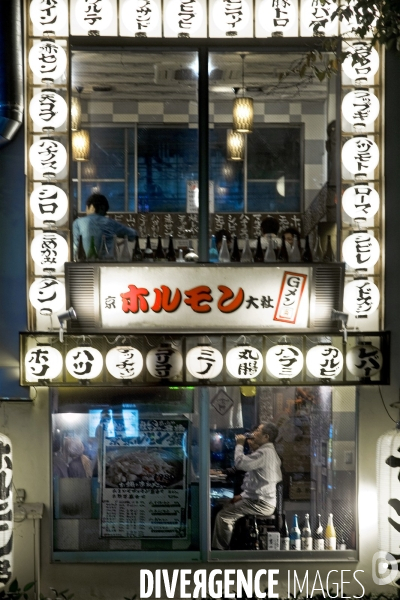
x=243 y=113
x=76 y=113
x=81 y=145
x=234 y=145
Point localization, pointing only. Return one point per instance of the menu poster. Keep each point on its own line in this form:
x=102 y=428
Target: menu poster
x=144 y=483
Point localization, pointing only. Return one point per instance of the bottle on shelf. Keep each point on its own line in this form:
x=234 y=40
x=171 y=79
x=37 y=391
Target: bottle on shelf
x=213 y=252
x=330 y=534
x=270 y=255
x=137 y=255
x=306 y=537
x=259 y=254
x=235 y=254
x=92 y=252
x=247 y=255
x=80 y=253
x=307 y=254
x=223 y=256
x=114 y=254
x=104 y=254
x=171 y=256
x=160 y=254
x=317 y=252
x=283 y=255
x=285 y=539
x=295 y=536
x=295 y=255
x=329 y=255
x=253 y=534
x=318 y=535
x=341 y=542
x=180 y=258
x=125 y=255
x=148 y=252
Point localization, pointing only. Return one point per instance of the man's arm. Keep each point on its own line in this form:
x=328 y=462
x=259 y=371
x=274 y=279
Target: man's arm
x=250 y=462
x=121 y=230
x=75 y=235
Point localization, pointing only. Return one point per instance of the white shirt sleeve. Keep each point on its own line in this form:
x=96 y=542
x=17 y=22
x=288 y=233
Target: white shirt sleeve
x=251 y=462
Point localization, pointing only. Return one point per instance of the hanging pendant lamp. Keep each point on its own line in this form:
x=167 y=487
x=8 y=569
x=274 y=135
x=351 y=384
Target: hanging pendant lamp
x=243 y=111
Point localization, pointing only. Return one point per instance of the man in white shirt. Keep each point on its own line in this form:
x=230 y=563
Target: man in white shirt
x=258 y=496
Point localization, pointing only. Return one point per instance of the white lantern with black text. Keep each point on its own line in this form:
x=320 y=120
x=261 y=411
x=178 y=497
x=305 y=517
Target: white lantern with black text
x=284 y=361
x=204 y=362
x=388 y=489
x=183 y=17
x=48 y=157
x=360 y=202
x=316 y=18
x=361 y=297
x=164 y=362
x=84 y=362
x=7 y=510
x=360 y=108
x=43 y=362
x=276 y=17
x=49 y=250
x=124 y=362
x=47 y=60
x=362 y=62
x=360 y=155
x=244 y=362
x=47 y=295
x=324 y=361
x=364 y=360
x=94 y=15
x=140 y=16
x=48 y=110
x=48 y=16
x=49 y=203
x=361 y=250
x=230 y=17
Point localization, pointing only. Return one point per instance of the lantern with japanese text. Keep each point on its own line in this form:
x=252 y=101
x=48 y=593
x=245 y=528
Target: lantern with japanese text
x=124 y=362
x=43 y=362
x=47 y=60
x=47 y=295
x=360 y=108
x=49 y=250
x=316 y=18
x=361 y=250
x=49 y=202
x=164 y=362
x=277 y=17
x=230 y=17
x=324 y=361
x=244 y=362
x=140 y=16
x=360 y=155
x=48 y=157
x=48 y=16
x=360 y=202
x=388 y=488
x=364 y=360
x=204 y=362
x=284 y=361
x=362 y=62
x=361 y=297
x=183 y=17
x=84 y=362
x=94 y=15
x=7 y=510
x=48 y=110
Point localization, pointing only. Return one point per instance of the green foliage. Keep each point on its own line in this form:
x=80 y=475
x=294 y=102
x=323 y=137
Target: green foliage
x=57 y=595
x=14 y=592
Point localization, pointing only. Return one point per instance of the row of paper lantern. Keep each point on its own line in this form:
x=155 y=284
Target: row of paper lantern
x=203 y=362
x=144 y=17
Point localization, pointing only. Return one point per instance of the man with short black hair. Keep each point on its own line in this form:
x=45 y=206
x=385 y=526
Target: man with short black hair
x=258 y=496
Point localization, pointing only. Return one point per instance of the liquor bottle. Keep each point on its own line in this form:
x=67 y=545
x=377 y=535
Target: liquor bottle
x=180 y=258
x=92 y=252
x=213 y=252
x=148 y=252
x=160 y=254
x=235 y=254
x=319 y=535
x=307 y=254
x=171 y=256
x=317 y=252
x=283 y=255
x=270 y=255
x=295 y=536
x=114 y=254
x=80 y=253
x=259 y=254
x=306 y=537
x=247 y=255
x=285 y=540
x=125 y=252
x=137 y=255
x=330 y=534
x=223 y=255
x=253 y=534
x=329 y=255
x=341 y=543
x=295 y=255
x=104 y=254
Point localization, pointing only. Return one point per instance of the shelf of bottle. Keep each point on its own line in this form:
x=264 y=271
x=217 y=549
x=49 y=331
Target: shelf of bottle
x=346 y=556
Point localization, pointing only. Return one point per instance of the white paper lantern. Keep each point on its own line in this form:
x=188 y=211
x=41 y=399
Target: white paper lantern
x=84 y=362
x=284 y=361
x=164 y=362
x=49 y=250
x=124 y=362
x=7 y=509
x=204 y=362
x=184 y=21
x=366 y=61
x=48 y=15
x=43 y=362
x=316 y=18
x=361 y=297
x=230 y=17
x=364 y=360
x=360 y=155
x=48 y=157
x=47 y=60
x=49 y=202
x=361 y=250
x=244 y=362
x=140 y=16
x=360 y=202
x=48 y=109
x=388 y=490
x=277 y=16
x=47 y=295
x=360 y=107
x=324 y=361
x=94 y=15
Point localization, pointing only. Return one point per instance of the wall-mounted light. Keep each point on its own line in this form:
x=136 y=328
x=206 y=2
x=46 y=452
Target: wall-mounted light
x=81 y=145
x=124 y=362
x=43 y=362
x=204 y=362
x=324 y=361
x=337 y=315
x=48 y=110
x=235 y=145
x=244 y=362
x=63 y=318
x=284 y=361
